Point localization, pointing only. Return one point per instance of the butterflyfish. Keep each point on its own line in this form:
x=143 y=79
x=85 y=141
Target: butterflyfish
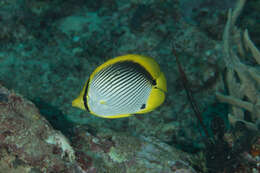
x=123 y=86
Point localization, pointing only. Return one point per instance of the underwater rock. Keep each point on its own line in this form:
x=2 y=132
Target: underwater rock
x=28 y=143
x=79 y=24
x=111 y=151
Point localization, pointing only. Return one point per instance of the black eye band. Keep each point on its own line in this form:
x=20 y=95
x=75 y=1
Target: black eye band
x=85 y=97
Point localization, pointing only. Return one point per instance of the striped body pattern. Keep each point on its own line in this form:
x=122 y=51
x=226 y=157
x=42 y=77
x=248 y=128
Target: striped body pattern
x=120 y=88
x=123 y=86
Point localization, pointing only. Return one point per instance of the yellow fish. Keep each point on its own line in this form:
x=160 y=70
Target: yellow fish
x=123 y=86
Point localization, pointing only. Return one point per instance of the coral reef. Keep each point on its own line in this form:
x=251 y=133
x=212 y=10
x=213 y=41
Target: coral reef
x=49 y=48
x=242 y=74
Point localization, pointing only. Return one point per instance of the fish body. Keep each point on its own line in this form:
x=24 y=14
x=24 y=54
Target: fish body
x=123 y=86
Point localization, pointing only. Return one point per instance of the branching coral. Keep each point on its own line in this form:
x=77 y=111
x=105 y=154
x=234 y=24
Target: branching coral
x=242 y=79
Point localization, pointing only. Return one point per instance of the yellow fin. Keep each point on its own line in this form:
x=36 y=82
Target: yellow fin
x=78 y=102
x=148 y=63
x=114 y=116
x=157 y=95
